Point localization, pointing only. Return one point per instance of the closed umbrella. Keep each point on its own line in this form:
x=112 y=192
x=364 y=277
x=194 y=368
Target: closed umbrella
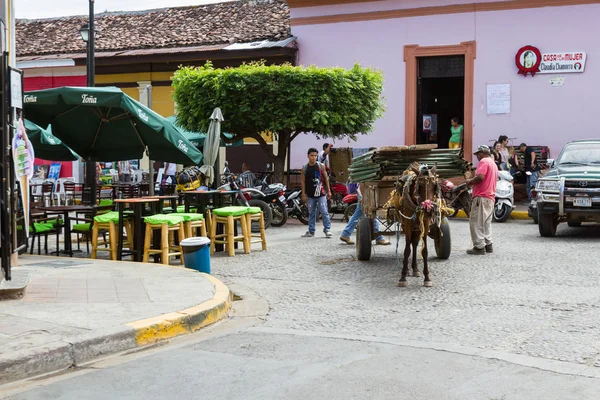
x=211 y=146
x=48 y=146
x=104 y=124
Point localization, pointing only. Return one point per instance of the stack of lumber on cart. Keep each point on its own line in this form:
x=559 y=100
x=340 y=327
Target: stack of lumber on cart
x=393 y=160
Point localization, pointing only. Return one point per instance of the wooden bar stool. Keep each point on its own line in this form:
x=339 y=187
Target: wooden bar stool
x=167 y=224
x=256 y=214
x=108 y=222
x=228 y=216
x=193 y=222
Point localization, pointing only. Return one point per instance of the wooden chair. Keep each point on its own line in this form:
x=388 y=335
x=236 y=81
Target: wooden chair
x=193 y=222
x=84 y=225
x=228 y=217
x=45 y=195
x=43 y=225
x=168 y=225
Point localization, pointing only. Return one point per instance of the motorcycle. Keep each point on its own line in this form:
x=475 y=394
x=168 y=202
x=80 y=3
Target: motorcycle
x=244 y=197
x=505 y=193
x=295 y=207
x=341 y=201
x=274 y=196
x=457 y=197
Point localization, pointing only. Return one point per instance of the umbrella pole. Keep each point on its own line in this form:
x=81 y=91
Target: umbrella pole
x=151 y=178
x=90 y=176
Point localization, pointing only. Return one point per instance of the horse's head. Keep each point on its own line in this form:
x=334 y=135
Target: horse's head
x=426 y=186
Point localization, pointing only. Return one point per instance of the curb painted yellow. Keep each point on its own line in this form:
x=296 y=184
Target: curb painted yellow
x=169 y=325
x=513 y=215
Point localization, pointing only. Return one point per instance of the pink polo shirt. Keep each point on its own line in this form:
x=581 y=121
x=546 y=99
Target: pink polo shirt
x=486 y=188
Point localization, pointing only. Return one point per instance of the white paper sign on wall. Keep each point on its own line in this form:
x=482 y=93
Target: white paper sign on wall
x=556 y=81
x=498 y=98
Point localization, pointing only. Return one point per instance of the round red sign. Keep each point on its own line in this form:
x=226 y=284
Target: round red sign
x=528 y=60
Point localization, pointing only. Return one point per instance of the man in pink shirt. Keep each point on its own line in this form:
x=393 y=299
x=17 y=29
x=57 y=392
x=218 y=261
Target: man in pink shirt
x=482 y=206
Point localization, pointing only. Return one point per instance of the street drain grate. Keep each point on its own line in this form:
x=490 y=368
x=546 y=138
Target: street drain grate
x=59 y=264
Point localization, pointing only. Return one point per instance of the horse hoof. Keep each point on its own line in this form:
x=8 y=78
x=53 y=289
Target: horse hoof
x=416 y=274
x=427 y=284
x=403 y=283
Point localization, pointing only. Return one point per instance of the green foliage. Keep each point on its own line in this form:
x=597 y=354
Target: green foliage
x=329 y=102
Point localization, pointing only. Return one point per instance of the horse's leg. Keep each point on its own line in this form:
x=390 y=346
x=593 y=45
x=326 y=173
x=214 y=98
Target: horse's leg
x=426 y=282
x=415 y=245
x=407 y=235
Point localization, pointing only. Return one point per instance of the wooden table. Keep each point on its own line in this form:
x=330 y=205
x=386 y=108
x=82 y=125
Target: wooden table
x=138 y=225
x=65 y=210
x=172 y=198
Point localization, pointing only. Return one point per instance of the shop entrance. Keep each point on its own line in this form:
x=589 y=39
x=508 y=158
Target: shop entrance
x=440 y=97
x=413 y=120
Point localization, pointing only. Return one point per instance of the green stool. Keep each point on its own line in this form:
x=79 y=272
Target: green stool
x=228 y=216
x=168 y=224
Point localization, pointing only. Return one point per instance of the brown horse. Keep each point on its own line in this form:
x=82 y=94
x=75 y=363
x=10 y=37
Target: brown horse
x=418 y=206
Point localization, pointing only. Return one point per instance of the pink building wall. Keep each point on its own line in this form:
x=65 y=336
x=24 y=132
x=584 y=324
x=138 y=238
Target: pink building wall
x=540 y=114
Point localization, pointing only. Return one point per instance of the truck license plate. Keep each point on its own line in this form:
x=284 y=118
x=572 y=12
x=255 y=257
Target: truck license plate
x=582 y=202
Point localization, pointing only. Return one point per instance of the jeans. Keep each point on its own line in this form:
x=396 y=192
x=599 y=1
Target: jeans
x=321 y=203
x=354 y=220
x=531 y=181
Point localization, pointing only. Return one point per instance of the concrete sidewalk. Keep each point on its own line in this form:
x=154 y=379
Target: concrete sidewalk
x=74 y=310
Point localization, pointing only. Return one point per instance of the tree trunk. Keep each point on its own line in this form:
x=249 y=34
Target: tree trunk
x=278 y=160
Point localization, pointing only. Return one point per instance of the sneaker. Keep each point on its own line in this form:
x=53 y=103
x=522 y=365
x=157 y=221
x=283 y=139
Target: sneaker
x=346 y=240
x=308 y=234
x=328 y=234
x=383 y=242
x=489 y=248
x=477 y=251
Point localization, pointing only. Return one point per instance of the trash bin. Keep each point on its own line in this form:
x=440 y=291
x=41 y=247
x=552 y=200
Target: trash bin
x=196 y=253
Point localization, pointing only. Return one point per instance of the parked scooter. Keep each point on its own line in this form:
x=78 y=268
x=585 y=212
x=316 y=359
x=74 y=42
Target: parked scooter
x=505 y=193
x=457 y=197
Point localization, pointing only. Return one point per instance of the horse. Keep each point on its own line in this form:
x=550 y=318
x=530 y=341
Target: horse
x=419 y=205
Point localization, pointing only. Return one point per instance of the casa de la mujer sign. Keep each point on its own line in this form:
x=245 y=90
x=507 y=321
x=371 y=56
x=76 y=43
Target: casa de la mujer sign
x=530 y=60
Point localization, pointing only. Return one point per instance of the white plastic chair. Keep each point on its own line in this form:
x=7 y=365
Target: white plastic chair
x=59 y=191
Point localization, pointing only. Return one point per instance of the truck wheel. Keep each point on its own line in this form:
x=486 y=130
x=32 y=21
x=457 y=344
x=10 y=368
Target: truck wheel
x=574 y=224
x=443 y=241
x=364 y=239
x=547 y=224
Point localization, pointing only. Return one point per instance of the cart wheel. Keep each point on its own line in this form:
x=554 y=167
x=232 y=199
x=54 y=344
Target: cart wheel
x=363 y=239
x=443 y=244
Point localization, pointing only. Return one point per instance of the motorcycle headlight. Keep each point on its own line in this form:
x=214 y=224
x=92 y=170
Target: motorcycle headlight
x=548 y=185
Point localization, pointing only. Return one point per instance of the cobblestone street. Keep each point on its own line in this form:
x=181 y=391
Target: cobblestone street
x=533 y=296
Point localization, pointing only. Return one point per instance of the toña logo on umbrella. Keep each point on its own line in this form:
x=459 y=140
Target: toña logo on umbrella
x=87 y=99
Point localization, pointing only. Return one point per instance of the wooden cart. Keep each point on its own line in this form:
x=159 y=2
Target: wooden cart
x=374 y=196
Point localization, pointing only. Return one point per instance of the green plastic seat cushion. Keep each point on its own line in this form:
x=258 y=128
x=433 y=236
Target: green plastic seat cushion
x=191 y=216
x=234 y=211
x=85 y=227
x=169 y=219
x=41 y=227
x=254 y=210
x=54 y=222
x=105 y=202
x=111 y=216
x=181 y=209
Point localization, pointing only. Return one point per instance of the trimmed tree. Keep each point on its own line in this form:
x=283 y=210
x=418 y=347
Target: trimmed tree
x=285 y=100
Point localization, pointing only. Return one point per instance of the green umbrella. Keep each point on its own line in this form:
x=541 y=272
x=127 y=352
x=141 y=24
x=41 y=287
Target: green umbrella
x=46 y=145
x=105 y=124
x=198 y=138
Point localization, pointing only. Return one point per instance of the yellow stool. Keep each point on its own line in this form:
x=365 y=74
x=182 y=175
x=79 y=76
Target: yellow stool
x=228 y=216
x=168 y=224
x=256 y=214
x=193 y=222
x=109 y=222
